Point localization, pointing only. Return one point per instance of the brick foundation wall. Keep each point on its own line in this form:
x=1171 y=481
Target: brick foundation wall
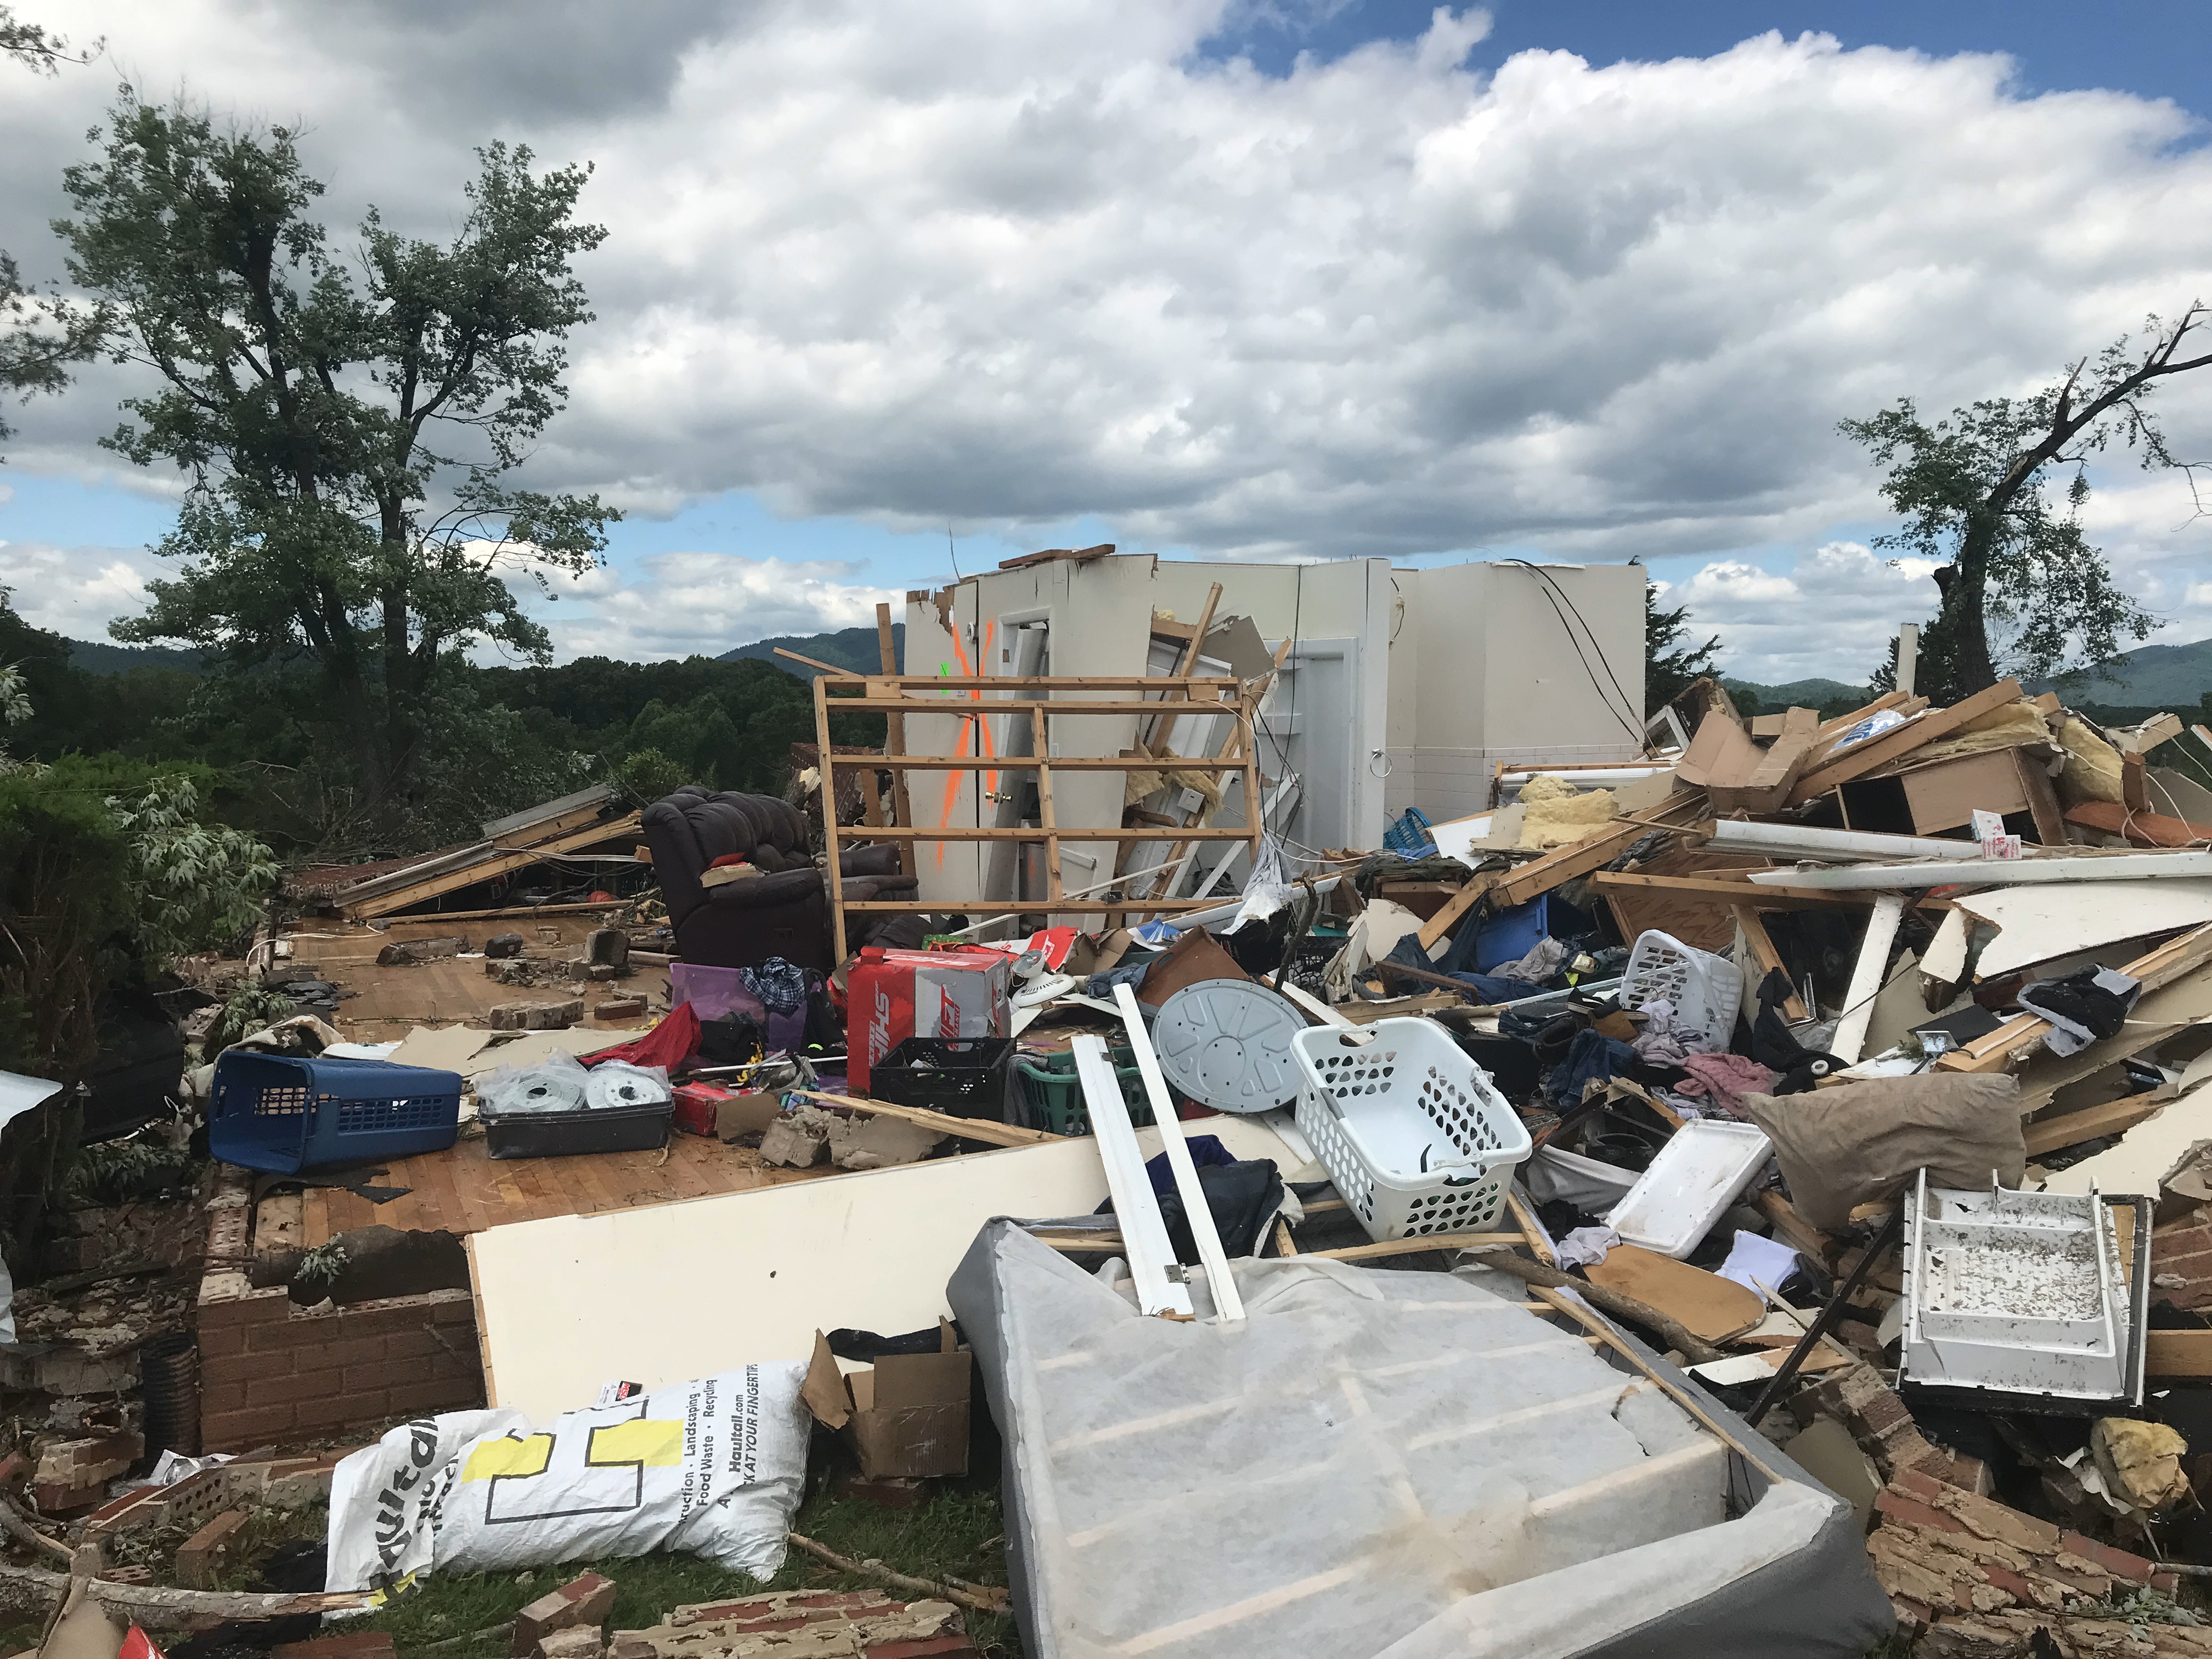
x=274 y=1373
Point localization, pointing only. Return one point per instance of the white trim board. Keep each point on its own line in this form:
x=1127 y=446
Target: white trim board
x=671 y=1292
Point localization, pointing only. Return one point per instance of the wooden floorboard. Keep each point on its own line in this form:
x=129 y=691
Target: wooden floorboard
x=466 y=1190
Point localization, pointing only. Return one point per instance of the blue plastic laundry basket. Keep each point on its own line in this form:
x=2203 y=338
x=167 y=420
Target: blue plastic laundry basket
x=282 y=1113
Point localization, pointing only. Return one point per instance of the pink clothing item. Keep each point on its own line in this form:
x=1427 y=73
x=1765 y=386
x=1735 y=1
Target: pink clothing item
x=1727 y=1079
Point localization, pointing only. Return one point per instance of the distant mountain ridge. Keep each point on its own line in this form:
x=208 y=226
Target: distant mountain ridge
x=98 y=656
x=2173 y=676
x=854 y=649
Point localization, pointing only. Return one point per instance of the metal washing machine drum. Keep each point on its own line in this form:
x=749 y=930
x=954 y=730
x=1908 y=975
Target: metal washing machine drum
x=1226 y=1043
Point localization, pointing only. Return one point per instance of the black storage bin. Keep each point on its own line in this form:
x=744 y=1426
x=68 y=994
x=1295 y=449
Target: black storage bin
x=590 y=1129
x=963 y=1077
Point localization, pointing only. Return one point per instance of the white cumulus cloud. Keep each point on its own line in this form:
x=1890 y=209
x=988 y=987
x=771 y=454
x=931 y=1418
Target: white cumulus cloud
x=1007 y=264
x=681 y=604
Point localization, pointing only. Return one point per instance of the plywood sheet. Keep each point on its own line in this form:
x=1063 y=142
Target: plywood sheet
x=463 y=1190
x=657 y=1295
x=1708 y=1305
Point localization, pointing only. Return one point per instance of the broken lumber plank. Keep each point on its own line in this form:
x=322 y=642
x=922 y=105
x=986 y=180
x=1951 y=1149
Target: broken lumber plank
x=1863 y=757
x=152 y=1604
x=894 y=735
x=467 y=875
x=1564 y=864
x=2178 y=1353
x=1801 y=1233
x=1762 y=947
x=968 y=1128
x=1485 y=1240
x=2050 y=1134
x=1746 y=892
x=2143 y=828
x=2018 y=1036
x=1456 y=906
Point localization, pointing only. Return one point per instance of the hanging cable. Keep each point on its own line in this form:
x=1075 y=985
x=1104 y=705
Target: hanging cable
x=1632 y=726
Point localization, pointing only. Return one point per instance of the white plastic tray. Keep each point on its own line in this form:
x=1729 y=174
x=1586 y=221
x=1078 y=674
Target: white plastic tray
x=1692 y=1180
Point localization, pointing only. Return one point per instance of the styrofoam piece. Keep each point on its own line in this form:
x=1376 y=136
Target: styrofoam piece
x=1226 y=1043
x=1414 y=1134
x=1706 y=989
x=1697 y=1175
x=2020 y=1294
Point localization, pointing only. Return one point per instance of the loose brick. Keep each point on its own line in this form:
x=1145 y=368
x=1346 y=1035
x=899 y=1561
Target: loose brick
x=587 y=1600
x=354 y=1644
x=202 y=1556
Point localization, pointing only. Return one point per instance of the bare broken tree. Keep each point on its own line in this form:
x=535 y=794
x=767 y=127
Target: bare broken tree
x=1972 y=490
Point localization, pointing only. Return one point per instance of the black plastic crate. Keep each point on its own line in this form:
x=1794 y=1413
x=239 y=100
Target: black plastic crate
x=588 y=1129
x=960 y=1077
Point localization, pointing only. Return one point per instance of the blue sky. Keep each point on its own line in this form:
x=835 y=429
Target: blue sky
x=1068 y=278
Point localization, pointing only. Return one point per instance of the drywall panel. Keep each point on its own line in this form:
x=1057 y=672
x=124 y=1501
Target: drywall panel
x=2051 y=920
x=673 y=1291
x=1562 y=659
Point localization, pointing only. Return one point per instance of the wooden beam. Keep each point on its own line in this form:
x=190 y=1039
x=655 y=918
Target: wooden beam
x=968 y=1129
x=467 y=875
x=904 y=763
x=846 y=680
x=811 y=662
x=2048 y=1134
x=1748 y=893
x=2142 y=829
x=1863 y=757
x=824 y=754
x=513 y=913
x=2178 y=1353
x=1416 y=1246
x=964 y=907
x=1564 y=864
x=894 y=736
x=1456 y=906
x=997 y=705
x=2014 y=1039
x=1801 y=1234
x=1762 y=947
x=1066 y=832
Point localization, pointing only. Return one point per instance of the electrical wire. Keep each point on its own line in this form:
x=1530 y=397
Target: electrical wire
x=1552 y=586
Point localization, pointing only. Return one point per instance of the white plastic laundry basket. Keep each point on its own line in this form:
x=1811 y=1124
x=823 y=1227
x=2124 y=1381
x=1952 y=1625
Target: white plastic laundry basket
x=1706 y=989
x=1411 y=1131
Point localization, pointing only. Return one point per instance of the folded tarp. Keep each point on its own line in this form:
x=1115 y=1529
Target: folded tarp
x=1377 y=1464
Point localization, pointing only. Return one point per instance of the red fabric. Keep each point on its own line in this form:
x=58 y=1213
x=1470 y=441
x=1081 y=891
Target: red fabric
x=728 y=859
x=668 y=1044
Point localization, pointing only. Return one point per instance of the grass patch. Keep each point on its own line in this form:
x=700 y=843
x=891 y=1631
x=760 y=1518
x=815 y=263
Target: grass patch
x=958 y=1530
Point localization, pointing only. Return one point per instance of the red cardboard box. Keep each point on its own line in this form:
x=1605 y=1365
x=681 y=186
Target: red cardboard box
x=892 y=995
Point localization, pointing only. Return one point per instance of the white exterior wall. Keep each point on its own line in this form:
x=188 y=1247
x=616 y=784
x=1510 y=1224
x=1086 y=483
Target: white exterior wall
x=1486 y=670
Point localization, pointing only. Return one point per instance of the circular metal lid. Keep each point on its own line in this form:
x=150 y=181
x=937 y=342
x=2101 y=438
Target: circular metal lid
x=1226 y=1043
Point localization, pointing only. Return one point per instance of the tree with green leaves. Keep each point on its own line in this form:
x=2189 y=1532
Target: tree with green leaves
x=1670 y=663
x=348 y=425
x=1975 y=491
x=39 y=336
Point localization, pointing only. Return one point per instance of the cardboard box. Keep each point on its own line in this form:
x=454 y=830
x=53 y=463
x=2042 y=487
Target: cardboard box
x=908 y=1417
x=709 y=1109
x=894 y=995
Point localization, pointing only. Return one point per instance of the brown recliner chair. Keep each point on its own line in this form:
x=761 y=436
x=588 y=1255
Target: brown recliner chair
x=783 y=912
